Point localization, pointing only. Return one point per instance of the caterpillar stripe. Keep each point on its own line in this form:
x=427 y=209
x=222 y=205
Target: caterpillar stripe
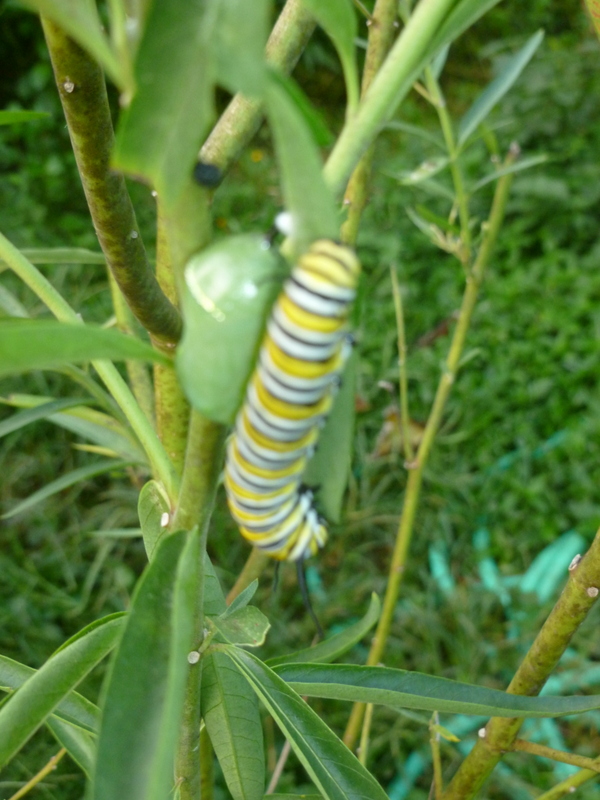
x=287 y=401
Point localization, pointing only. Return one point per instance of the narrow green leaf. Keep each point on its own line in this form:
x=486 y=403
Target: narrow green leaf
x=518 y=166
x=230 y=711
x=75 y=708
x=416 y=130
x=70 y=479
x=135 y=707
x=241 y=35
x=118 y=533
x=401 y=689
x=79 y=744
x=159 y=135
x=13 y=117
x=186 y=592
x=496 y=90
x=214 y=599
x=336 y=645
x=27 y=709
x=281 y=796
x=153 y=504
x=335 y=771
x=306 y=196
x=246 y=627
x=242 y=599
x=79 y=18
x=338 y=20
x=63 y=255
x=462 y=16
x=36 y=344
x=329 y=468
x=424 y=171
x=45 y=409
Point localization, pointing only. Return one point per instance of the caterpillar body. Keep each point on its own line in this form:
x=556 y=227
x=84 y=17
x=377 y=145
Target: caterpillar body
x=287 y=401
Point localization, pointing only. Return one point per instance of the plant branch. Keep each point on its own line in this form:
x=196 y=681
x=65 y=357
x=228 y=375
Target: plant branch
x=388 y=88
x=83 y=96
x=243 y=116
x=403 y=376
x=523 y=746
x=46 y=770
x=572 y=607
x=569 y=785
x=42 y=288
x=415 y=476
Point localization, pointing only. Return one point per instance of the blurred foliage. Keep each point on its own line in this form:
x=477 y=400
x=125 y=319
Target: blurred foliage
x=532 y=372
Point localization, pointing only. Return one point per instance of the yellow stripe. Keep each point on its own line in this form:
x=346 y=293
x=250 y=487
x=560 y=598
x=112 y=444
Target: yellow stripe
x=261 y=472
x=246 y=494
x=289 y=410
x=273 y=444
x=298 y=367
x=314 y=322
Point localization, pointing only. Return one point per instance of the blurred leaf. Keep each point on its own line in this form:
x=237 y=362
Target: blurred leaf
x=335 y=771
x=416 y=130
x=159 y=135
x=118 y=533
x=13 y=117
x=306 y=196
x=338 y=20
x=47 y=344
x=593 y=7
x=228 y=290
x=282 y=796
x=79 y=744
x=144 y=693
x=242 y=600
x=424 y=171
x=23 y=713
x=496 y=90
x=246 y=627
x=62 y=255
x=70 y=479
x=214 y=599
x=329 y=468
x=462 y=16
x=241 y=35
x=335 y=645
x=79 y=18
x=75 y=708
x=230 y=711
x=398 y=688
x=439 y=62
x=312 y=116
x=525 y=163
x=45 y=409
x=390 y=438
x=153 y=504
x=11 y=306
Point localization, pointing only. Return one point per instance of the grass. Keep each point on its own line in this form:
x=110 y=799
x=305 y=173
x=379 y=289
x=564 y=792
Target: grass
x=532 y=373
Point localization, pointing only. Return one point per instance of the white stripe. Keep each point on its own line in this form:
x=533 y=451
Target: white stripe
x=306 y=334
x=300 y=350
x=309 y=301
x=290 y=395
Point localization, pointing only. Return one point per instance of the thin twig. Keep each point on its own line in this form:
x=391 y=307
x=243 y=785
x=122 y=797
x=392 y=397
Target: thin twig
x=569 y=785
x=404 y=413
x=523 y=746
x=279 y=767
x=436 y=756
x=51 y=765
x=363 y=748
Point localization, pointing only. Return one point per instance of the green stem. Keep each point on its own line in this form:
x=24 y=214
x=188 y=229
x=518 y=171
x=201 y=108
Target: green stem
x=389 y=87
x=434 y=741
x=43 y=289
x=172 y=408
x=83 y=96
x=403 y=376
x=574 y=604
x=137 y=371
x=568 y=786
x=462 y=198
x=523 y=746
x=415 y=476
x=242 y=117
x=207 y=760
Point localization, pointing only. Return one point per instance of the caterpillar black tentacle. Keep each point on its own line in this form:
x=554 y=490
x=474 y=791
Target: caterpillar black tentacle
x=287 y=402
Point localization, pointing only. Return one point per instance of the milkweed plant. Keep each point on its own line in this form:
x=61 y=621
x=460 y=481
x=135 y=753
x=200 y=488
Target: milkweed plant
x=254 y=341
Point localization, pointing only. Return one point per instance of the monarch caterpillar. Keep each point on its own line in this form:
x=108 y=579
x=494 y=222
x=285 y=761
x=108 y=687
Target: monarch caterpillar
x=287 y=401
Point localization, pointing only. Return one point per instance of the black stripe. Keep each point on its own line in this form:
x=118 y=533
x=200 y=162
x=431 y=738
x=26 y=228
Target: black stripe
x=265 y=528
x=308 y=289
x=274 y=427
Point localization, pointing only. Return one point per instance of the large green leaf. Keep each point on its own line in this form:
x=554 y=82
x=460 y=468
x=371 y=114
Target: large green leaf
x=228 y=290
x=241 y=34
x=329 y=468
x=159 y=135
x=27 y=709
x=496 y=90
x=335 y=771
x=230 y=711
x=246 y=627
x=306 y=195
x=33 y=344
x=75 y=708
x=338 y=20
x=401 y=689
x=70 y=479
x=79 y=744
x=79 y=18
x=335 y=645
x=143 y=696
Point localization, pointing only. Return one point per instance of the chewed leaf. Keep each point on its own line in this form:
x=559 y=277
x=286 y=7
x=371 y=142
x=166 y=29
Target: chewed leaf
x=246 y=627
